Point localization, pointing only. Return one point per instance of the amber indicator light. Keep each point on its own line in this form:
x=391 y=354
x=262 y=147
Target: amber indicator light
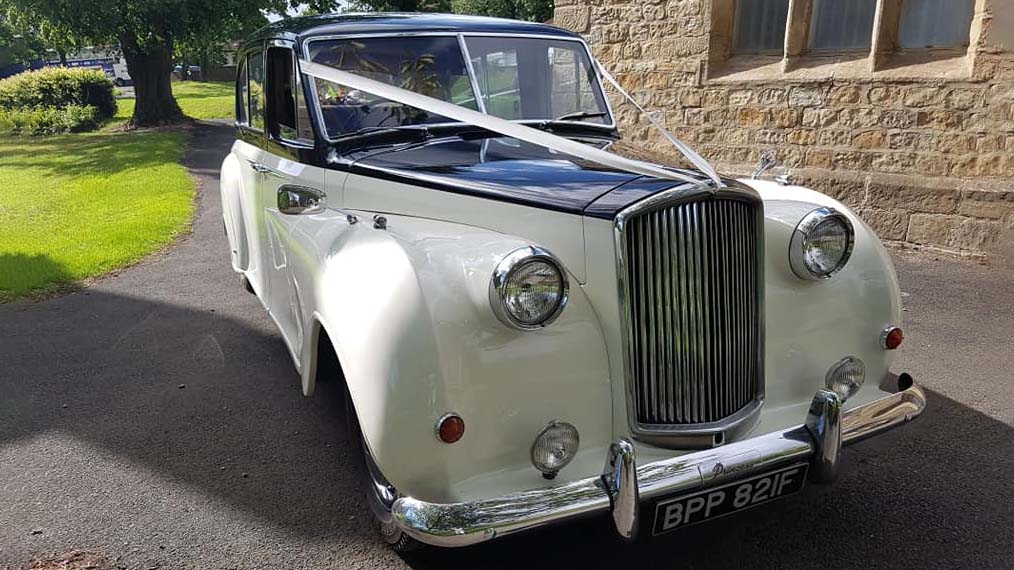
x=450 y=428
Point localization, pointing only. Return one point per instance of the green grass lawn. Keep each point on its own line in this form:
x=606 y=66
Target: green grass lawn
x=76 y=206
x=209 y=100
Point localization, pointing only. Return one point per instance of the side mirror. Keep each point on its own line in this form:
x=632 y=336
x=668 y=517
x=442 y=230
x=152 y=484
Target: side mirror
x=296 y=200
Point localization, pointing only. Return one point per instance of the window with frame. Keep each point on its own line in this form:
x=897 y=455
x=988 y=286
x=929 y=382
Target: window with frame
x=255 y=87
x=842 y=24
x=760 y=26
x=935 y=23
x=877 y=31
x=242 y=95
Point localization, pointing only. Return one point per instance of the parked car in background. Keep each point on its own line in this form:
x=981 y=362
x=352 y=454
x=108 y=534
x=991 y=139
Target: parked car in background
x=530 y=327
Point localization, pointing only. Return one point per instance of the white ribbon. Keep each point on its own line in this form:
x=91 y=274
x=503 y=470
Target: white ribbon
x=695 y=159
x=491 y=123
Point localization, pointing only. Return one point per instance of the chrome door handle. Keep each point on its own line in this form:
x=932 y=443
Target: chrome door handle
x=264 y=169
x=295 y=200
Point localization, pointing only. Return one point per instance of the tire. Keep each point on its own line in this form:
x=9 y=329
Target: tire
x=119 y=82
x=374 y=486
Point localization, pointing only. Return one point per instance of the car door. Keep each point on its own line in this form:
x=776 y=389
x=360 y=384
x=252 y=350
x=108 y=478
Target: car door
x=289 y=187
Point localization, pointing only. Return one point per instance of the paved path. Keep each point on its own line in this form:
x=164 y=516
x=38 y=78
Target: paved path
x=155 y=418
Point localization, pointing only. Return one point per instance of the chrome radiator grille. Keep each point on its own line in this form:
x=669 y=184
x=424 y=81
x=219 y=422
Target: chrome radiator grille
x=691 y=296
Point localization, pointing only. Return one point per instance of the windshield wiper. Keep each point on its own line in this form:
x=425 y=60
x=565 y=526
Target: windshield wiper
x=580 y=116
x=380 y=135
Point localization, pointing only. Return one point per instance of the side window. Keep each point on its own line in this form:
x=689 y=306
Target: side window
x=760 y=26
x=281 y=94
x=842 y=24
x=242 y=95
x=255 y=72
x=936 y=23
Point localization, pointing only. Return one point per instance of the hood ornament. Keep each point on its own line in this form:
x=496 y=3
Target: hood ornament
x=767 y=162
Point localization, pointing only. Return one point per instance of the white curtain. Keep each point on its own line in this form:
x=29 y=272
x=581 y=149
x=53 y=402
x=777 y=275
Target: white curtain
x=842 y=24
x=934 y=23
x=760 y=25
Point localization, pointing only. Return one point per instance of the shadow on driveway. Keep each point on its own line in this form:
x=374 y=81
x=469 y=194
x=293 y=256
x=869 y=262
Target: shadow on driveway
x=158 y=416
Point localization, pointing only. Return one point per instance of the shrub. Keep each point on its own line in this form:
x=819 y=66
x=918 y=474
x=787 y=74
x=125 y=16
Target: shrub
x=50 y=120
x=59 y=88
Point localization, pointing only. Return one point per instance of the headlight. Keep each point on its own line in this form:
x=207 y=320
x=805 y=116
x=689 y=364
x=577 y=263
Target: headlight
x=821 y=244
x=529 y=289
x=846 y=377
x=555 y=447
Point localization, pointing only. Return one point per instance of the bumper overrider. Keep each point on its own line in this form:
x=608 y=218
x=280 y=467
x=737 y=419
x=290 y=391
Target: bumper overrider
x=623 y=484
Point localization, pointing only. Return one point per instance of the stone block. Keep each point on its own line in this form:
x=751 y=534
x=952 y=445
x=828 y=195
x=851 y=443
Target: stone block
x=912 y=140
x=923 y=96
x=802 y=137
x=986 y=204
x=575 y=18
x=752 y=116
x=852 y=160
x=885 y=96
x=741 y=97
x=887 y=224
x=805 y=96
x=784 y=117
x=894 y=162
x=933 y=229
x=932 y=165
x=715 y=97
x=844 y=95
x=833 y=137
x=955 y=143
x=942 y=120
x=875 y=138
x=897 y=119
x=769 y=136
x=934 y=196
x=964 y=98
x=771 y=96
x=819 y=158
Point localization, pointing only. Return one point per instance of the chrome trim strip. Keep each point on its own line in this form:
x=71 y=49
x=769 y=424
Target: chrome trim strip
x=467 y=523
x=686 y=379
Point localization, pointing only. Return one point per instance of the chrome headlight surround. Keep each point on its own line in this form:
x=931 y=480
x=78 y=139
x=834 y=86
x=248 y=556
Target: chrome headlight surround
x=804 y=232
x=507 y=268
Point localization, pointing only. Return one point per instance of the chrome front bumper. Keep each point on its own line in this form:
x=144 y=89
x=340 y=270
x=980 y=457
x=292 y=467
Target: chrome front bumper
x=624 y=484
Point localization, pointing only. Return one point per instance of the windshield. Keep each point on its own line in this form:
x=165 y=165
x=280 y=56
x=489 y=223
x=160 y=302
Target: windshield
x=516 y=78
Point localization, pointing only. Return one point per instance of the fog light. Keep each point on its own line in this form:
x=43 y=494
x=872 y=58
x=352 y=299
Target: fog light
x=554 y=447
x=846 y=377
x=450 y=428
x=891 y=338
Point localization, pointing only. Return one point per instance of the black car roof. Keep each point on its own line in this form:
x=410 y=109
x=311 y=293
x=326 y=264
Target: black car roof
x=399 y=23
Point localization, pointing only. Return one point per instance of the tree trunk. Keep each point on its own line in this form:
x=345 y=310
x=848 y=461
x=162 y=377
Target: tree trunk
x=63 y=57
x=150 y=67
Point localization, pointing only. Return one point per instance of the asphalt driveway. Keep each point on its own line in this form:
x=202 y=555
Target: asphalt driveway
x=154 y=418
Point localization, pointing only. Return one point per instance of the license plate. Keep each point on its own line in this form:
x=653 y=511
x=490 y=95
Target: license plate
x=678 y=512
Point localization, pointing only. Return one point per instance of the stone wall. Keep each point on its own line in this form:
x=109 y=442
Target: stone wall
x=921 y=145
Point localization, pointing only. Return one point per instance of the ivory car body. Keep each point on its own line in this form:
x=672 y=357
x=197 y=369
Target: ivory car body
x=527 y=337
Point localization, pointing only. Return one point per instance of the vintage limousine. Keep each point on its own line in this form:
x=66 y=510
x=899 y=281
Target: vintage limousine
x=531 y=325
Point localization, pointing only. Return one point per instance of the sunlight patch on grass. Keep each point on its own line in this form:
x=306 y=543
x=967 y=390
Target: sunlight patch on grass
x=207 y=100
x=76 y=206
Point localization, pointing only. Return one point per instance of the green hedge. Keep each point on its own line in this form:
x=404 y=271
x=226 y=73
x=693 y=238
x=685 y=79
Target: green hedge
x=50 y=120
x=59 y=88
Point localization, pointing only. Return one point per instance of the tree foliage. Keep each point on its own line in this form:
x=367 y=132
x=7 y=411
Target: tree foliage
x=531 y=10
x=148 y=32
